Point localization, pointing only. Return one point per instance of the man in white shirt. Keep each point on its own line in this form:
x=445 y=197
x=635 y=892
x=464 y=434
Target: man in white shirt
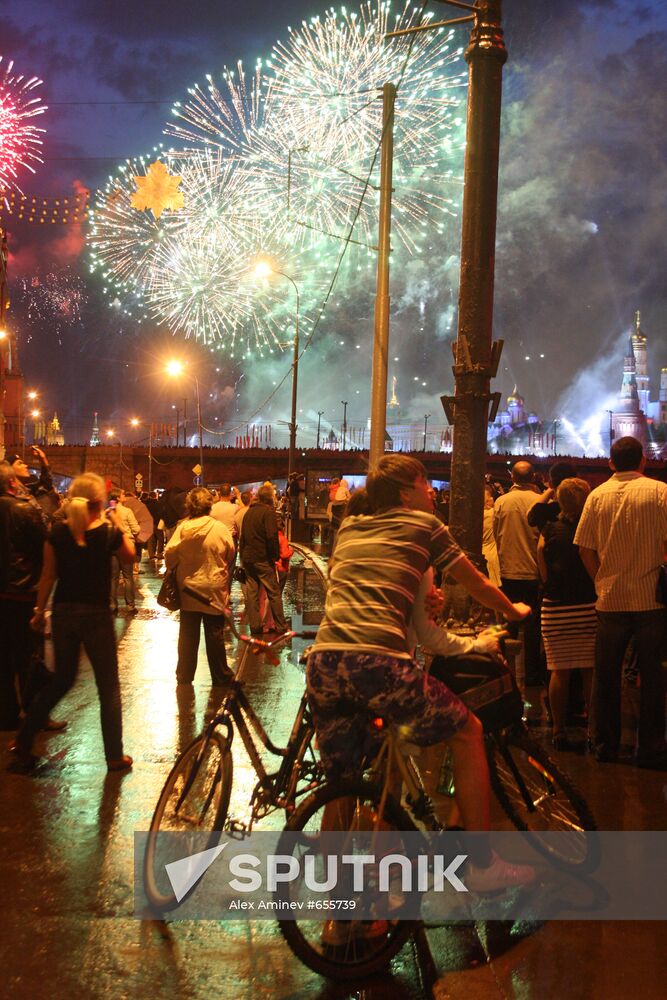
x=622 y=539
x=225 y=509
x=516 y=542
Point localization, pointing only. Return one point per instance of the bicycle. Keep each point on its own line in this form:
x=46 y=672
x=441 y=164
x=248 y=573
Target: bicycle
x=530 y=787
x=195 y=797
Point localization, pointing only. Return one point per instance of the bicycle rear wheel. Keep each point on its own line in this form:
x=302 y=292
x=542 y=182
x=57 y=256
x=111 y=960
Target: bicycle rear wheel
x=194 y=799
x=341 y=949
x=540 y=799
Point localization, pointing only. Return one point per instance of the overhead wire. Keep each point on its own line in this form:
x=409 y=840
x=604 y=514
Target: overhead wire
x=347 y=240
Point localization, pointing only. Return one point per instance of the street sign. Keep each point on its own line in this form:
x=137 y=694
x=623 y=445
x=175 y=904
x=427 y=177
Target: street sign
x=196 y=480
x=197 y=469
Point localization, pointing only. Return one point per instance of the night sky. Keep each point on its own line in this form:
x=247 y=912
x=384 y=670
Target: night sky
x=583 y=199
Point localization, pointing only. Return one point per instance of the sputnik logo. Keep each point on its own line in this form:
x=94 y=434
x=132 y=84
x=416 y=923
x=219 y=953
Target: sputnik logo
x=185 y=874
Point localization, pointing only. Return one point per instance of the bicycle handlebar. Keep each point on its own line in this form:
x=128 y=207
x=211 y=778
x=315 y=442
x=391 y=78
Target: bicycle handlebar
x=253 y=640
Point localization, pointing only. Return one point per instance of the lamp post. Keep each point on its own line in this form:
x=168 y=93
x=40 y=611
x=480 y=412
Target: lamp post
x=344 y=404
x=3 y=342
x=426 y=419
x=32 y=396
x=262 y=270
x=138 y=423
x=111 y=435
x=175 y=369
x=320 y=414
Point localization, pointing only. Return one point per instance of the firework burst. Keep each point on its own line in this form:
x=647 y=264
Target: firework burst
x=275 y=163
x=20 y=142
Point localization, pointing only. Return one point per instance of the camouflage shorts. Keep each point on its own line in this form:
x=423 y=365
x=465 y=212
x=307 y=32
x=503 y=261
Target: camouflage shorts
x=345 y=691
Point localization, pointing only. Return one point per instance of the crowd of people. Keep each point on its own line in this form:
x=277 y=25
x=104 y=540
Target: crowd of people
x=65 y=563
x=578 y=568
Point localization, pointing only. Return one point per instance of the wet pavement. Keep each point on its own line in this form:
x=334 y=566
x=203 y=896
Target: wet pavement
x=66 y=865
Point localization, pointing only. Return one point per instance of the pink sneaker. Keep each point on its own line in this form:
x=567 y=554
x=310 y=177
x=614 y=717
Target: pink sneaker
x=500 y=874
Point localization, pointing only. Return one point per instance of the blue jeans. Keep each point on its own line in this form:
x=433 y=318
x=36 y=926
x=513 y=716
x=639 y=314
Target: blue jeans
x=74 y=626
x=615 y=629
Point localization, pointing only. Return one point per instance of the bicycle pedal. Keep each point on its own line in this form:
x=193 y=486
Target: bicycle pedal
x=236 y=828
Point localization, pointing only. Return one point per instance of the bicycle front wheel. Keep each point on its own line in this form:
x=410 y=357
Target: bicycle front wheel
x=540 y=799
x=194 y=799
x=341 y=949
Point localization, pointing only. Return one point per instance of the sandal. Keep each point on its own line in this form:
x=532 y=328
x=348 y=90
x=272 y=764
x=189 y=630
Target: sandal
x=124 y=764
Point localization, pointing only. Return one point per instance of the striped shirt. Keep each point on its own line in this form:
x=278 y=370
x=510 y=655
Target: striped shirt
x=625 y=522
x=374 y=575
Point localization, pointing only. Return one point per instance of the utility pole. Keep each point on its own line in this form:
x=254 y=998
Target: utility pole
x=476 y=356
x=320 y=414
x=381 y=326
x=344 y=404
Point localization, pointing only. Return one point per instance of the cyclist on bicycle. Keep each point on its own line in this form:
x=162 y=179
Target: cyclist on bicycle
x=361 y=661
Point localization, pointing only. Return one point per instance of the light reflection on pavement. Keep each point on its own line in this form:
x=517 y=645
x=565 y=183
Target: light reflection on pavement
x=66 y=863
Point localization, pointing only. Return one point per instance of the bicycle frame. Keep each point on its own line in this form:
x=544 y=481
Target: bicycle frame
x=273 y=790
x=393 y=767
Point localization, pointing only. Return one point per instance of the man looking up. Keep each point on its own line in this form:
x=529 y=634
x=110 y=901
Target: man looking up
x=260 y=551
x=516 y=542
x=22 y=535
x=622 y=539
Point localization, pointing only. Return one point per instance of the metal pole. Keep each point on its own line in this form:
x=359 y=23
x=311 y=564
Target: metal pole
x=320 y=414
x=199 y=423
x=426 y=416
x=291 y=460
x=120 y=470
x=4 y=335
x=381 y=325
x=185 y=422
x=485 y=56
x=344 y=402
x=150 y=458
x=178 y=422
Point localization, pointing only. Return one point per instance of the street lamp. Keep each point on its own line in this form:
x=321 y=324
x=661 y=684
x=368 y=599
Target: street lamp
x=137 y=423
x=112 y=436
x=176 y=369
x=263 y=270
x=426 y=419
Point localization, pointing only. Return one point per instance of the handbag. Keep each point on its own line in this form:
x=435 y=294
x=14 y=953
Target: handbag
x=485 y=685
x=169 y=596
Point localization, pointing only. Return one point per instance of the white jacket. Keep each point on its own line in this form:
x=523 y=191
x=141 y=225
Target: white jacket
x=200 y=549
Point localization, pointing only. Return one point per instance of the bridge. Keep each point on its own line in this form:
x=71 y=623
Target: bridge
x=174 y=466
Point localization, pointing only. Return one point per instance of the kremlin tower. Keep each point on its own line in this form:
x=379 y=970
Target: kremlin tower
x=628 y=418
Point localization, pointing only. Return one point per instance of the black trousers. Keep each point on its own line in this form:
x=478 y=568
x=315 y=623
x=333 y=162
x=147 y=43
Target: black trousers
x=263 y=575
x=74 y=626
x=18 y=643
x=188 y=647
x=615 y=629
x=528 y=592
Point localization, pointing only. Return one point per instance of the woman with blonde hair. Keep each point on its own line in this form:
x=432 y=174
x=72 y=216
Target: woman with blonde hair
x=569 y=623
x=77 y=559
